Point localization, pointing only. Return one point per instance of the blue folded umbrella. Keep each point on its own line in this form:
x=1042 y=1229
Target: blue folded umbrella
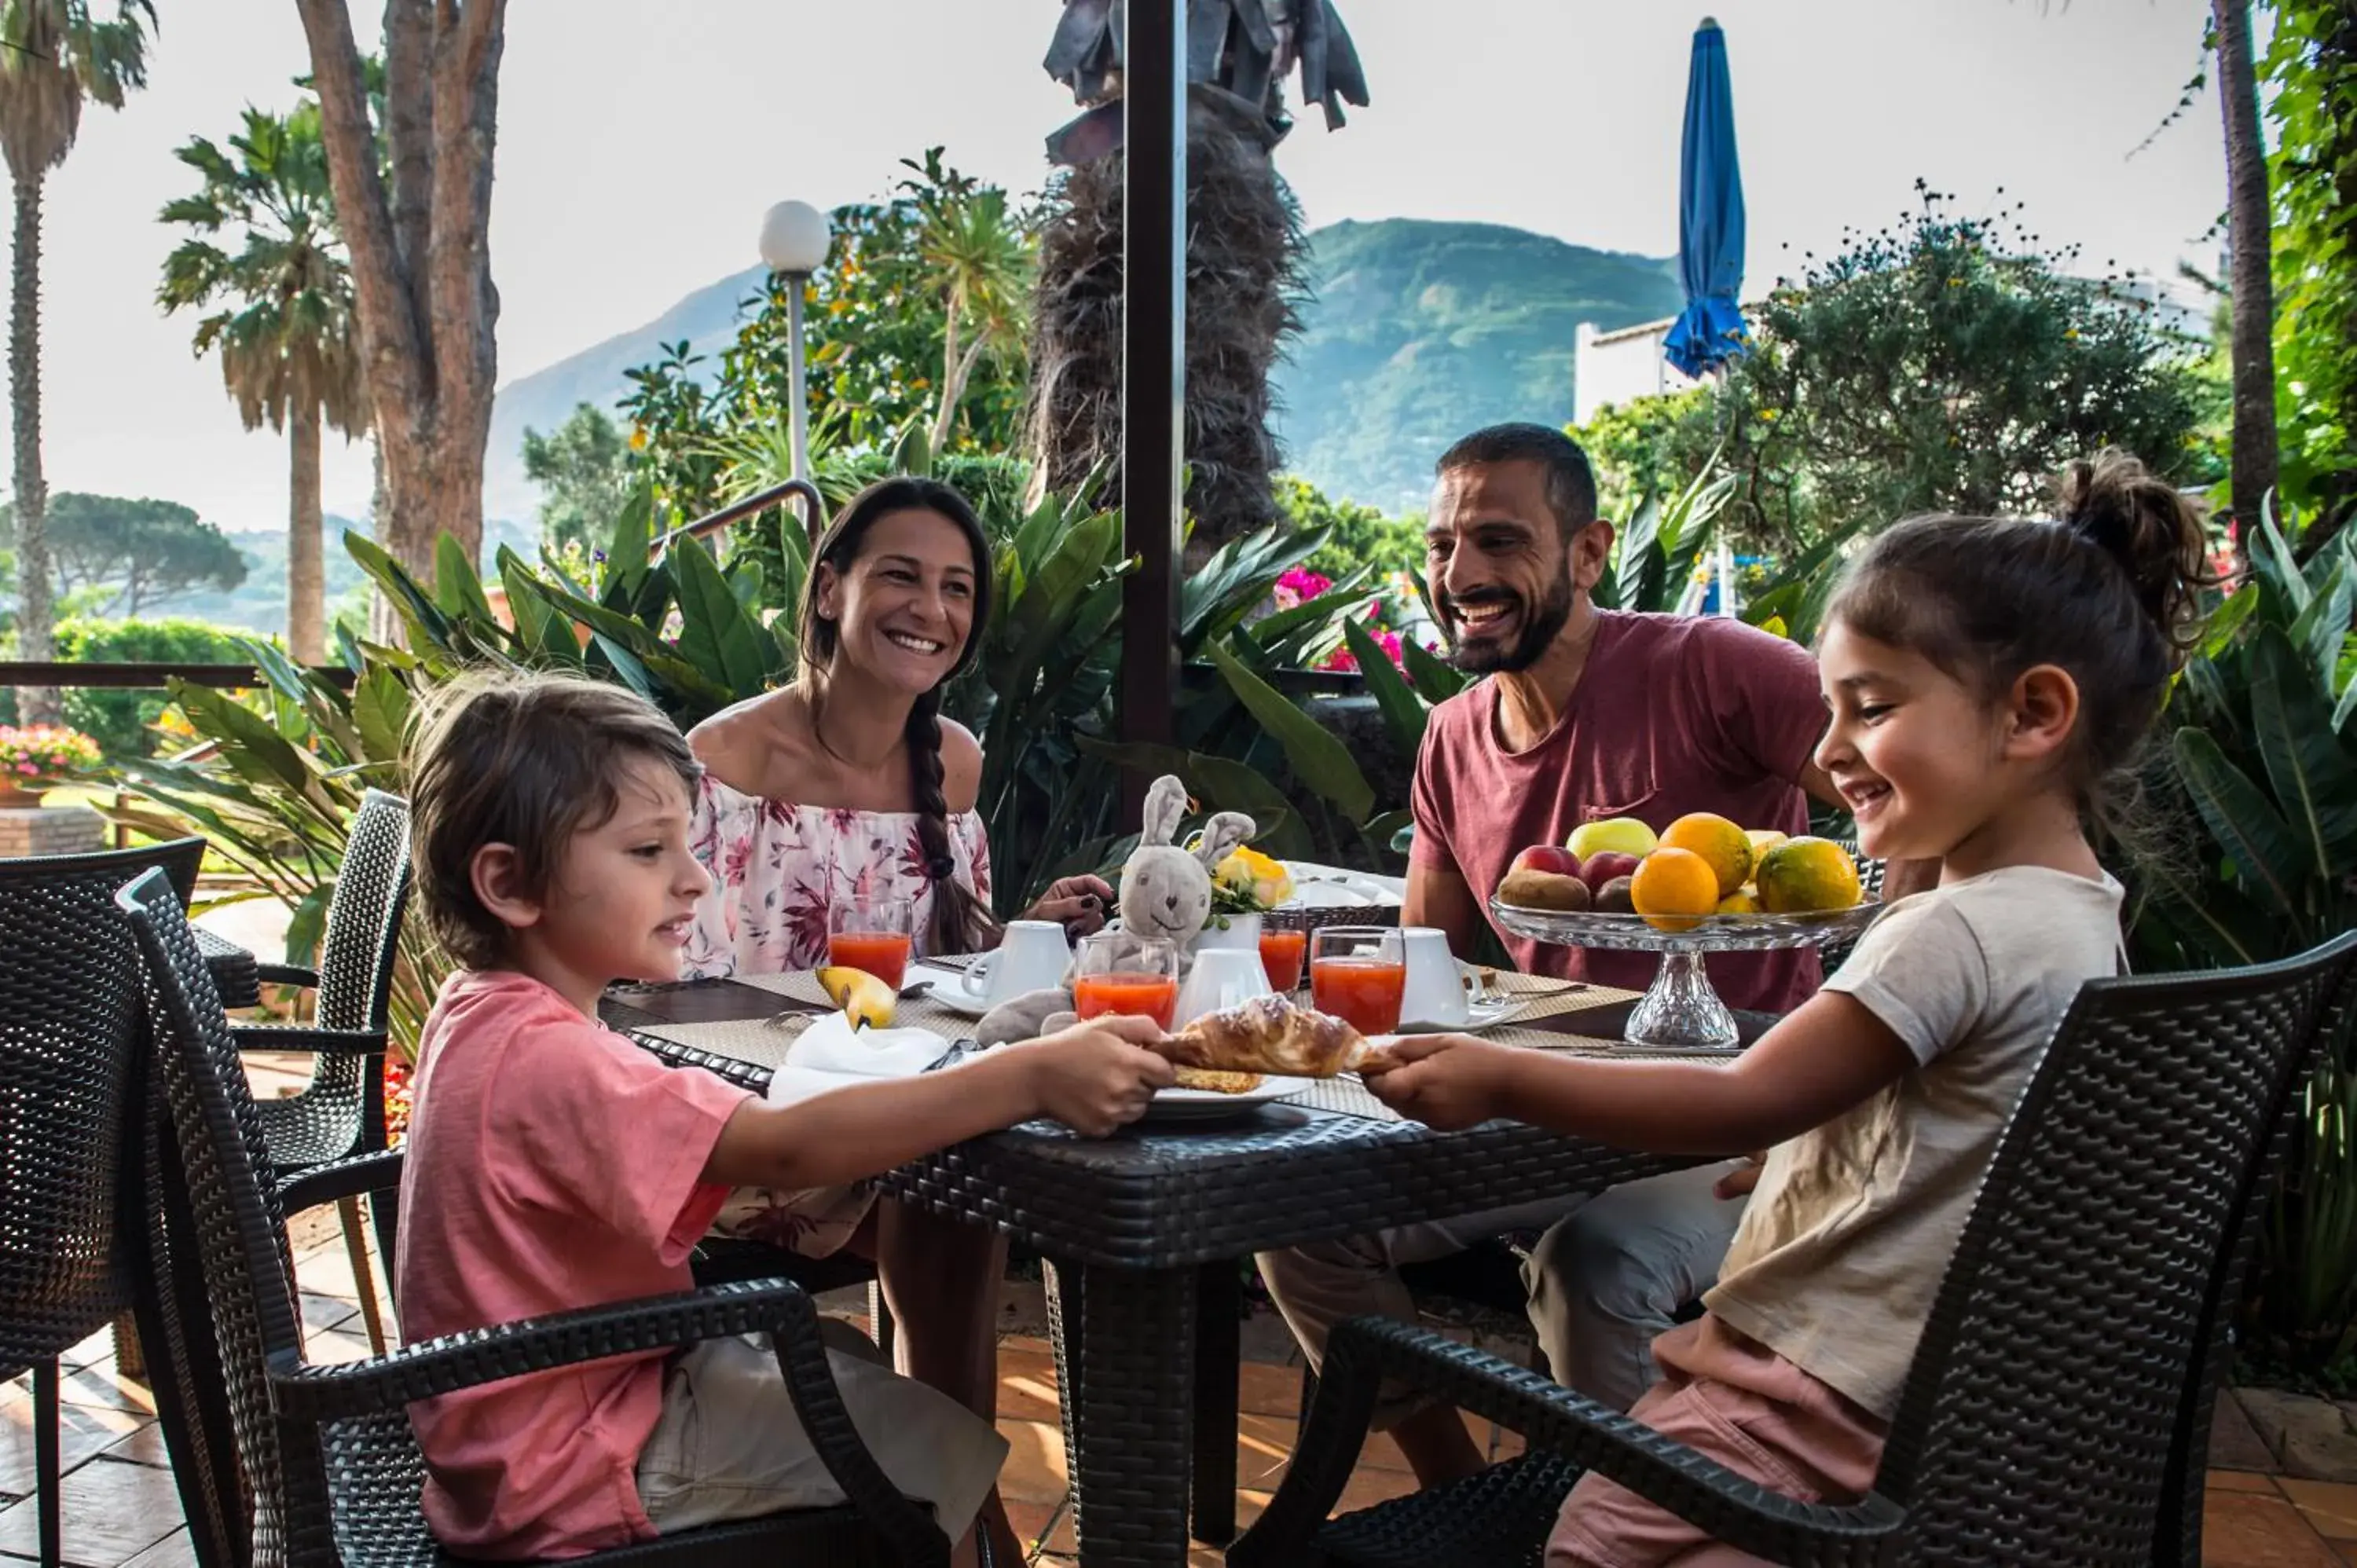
x=1710 y=215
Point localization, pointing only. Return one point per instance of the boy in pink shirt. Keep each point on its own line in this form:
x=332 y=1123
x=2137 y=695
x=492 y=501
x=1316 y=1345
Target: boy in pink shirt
x=553 y=1166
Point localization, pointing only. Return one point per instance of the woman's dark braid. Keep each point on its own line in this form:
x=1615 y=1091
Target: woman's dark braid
x=959 y=917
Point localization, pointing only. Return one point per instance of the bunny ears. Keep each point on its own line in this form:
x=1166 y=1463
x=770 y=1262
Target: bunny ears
x=1165 y=805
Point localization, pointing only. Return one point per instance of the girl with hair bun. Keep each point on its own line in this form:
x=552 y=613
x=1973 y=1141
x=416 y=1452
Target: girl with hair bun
x=1987 y=681
x=850 y=782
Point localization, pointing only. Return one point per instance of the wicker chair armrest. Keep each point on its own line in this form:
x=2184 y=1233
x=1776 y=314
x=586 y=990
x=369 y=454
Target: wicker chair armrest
x=379 y=1171
x=318 y=1395
x=302 y=1038
x=287 y=974
x=1365 y=1352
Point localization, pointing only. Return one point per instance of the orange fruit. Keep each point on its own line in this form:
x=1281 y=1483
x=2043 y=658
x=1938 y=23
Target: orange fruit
x=1726 y=847
x=1808 y=876
x=1673 y=882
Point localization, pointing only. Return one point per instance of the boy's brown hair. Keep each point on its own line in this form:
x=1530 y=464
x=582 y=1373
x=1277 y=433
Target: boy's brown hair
x=526 y=759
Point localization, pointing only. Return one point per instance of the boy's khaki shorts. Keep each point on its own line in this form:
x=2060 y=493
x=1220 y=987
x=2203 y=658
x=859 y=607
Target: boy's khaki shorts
x=729 y=1445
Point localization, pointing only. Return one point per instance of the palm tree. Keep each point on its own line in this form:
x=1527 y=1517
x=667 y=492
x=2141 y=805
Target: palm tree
x=286 y=325
x=981 y=258
x=53 y=54
x=1245 y=252
x=2248 y=215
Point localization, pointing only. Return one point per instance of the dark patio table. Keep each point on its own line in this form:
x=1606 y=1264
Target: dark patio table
x=1141 y=1231
x=236 y=972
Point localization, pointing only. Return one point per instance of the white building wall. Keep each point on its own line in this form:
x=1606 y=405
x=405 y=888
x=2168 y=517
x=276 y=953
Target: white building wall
x=1614 y=367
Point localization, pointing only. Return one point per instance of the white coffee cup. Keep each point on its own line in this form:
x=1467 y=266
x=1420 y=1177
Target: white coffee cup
x=1032 y=956
x=1222 y=977
x=1435 y=994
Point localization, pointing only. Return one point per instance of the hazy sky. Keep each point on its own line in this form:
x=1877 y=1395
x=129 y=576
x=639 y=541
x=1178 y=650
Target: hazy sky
x=640 y=140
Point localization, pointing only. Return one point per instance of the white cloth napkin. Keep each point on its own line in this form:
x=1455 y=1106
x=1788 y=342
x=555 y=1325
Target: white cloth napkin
x=830 y=1055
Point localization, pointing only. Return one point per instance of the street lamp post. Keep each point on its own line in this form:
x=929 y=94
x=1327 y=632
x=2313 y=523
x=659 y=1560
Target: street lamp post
x=794 y=238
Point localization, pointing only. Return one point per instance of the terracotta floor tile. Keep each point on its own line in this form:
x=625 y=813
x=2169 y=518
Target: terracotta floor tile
x=2243 y=1529
x=1265 y=1390
x=84 y=1432
x=1033 y=1521
x=1026 y=1384
x=2331 y=1506
x=2241 y=1481
x=1033 y=1471
x=113 y=1512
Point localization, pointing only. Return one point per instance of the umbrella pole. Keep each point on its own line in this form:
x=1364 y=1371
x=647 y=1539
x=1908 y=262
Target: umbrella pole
x=1154 y=369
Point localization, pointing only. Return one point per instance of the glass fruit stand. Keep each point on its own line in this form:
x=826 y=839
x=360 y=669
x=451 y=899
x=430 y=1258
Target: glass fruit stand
x=1682 y=1011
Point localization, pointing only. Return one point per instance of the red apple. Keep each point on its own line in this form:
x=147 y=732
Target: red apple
x=1603 y=868
x=1551 y=858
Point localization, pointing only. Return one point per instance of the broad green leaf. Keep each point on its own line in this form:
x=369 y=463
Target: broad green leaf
x=2324 y=624
x=2347 y=706
x=1220 y=784
x=601 y=620
x=1318 y=759
x=458 y=590
x=2243 y=820
x=428 y=625
x=2227 y=620
x=1436 y=679
x=627 y=552
x=249 y=745
x=625 y=665
x=1405 y=714
x=380 y=708
x=2274 y=560
x=716 y=634
x=2314 y=781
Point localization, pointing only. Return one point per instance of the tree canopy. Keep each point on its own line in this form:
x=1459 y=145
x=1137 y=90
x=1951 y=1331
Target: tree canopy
x=145 y=550
x=583 y=467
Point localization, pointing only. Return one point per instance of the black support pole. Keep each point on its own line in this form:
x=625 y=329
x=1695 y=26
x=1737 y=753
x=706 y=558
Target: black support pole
x=1154 y=371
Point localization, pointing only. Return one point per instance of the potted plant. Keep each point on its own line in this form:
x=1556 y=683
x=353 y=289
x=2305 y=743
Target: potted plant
x=1244 y=886
x=34 y=758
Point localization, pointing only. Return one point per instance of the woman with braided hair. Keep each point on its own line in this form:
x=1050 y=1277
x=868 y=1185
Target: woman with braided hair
x=848 y=782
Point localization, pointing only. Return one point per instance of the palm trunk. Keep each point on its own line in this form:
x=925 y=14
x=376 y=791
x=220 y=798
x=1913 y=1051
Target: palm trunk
x=2253 y=472
x=35 y=704
x=953 y=378
x=384 y=625
x=307 y=581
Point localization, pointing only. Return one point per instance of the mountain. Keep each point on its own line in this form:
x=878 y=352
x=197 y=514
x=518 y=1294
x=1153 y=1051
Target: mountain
x=546 y=398
x=1419 y=332
x=1415 y=332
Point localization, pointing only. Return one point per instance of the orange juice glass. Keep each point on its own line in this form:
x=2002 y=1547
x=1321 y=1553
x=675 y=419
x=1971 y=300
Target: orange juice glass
x=870 y=933
x=1281 y=952
x=1357 y=973
x=1116 y=975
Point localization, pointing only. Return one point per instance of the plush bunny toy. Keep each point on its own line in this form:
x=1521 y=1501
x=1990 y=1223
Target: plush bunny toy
x=1166 y=895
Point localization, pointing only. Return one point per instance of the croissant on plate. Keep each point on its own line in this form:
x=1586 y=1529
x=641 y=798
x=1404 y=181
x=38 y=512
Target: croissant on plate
x=1268 y=1033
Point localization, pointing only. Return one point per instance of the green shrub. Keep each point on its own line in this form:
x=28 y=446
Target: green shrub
x=120 y=721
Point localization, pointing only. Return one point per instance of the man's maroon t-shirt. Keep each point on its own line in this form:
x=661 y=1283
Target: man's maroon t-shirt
x=1672 y=714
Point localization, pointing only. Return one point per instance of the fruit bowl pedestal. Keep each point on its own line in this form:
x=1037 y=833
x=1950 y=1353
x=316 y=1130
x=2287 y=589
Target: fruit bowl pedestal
x=1682 y=1011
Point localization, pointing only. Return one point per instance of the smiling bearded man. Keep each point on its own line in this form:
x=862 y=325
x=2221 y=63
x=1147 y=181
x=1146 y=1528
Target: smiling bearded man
x=1586 y=713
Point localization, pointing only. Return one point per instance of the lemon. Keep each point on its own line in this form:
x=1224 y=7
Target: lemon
x=1742 y=901
x=1763 y=840
x=866 y=1001
x=1717 y=841
x=1672 y=883
x=1808 y=876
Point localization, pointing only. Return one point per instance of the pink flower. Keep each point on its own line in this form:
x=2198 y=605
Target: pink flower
x=1303 y=584
x=26 y=767
x=1341 y=659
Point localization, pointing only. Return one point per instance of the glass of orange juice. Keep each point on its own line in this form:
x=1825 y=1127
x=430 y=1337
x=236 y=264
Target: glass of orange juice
x=870 y=933
x=1114 y=973
x=1358 y=974
x=1283 y=942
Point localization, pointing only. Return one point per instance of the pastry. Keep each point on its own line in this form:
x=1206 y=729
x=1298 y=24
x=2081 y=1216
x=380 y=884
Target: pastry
x=1216 y=1081
x=1267 y=1034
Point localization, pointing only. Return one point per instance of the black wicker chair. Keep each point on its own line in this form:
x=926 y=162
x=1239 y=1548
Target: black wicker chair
x=70 y=1074
x=2049 y=1409
x=330 y=1472
x=342 y=1112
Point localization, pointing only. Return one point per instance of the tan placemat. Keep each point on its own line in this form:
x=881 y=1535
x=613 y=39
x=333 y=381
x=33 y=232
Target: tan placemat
x=922 y=1013
x=755 y=1040
x=1550 y=996
x=1346 y=1094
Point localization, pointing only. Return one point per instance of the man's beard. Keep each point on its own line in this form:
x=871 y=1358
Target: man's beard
x=1541 y=626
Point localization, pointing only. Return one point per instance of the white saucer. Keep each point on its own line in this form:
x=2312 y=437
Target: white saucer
x=949 y=992
x=1483 y=1015
x=1210 y=1105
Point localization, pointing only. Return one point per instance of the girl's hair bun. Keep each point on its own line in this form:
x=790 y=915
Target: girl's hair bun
x=2117 y=504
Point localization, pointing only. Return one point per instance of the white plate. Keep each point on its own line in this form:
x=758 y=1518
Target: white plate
x=1484 y=1016
x=1205 y=1104
x=949 y=990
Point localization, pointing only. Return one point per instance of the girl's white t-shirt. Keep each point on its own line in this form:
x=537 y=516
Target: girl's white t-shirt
x=1845 y=1240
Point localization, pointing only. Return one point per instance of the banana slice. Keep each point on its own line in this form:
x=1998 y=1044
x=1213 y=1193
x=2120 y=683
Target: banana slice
x=866 y=1001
